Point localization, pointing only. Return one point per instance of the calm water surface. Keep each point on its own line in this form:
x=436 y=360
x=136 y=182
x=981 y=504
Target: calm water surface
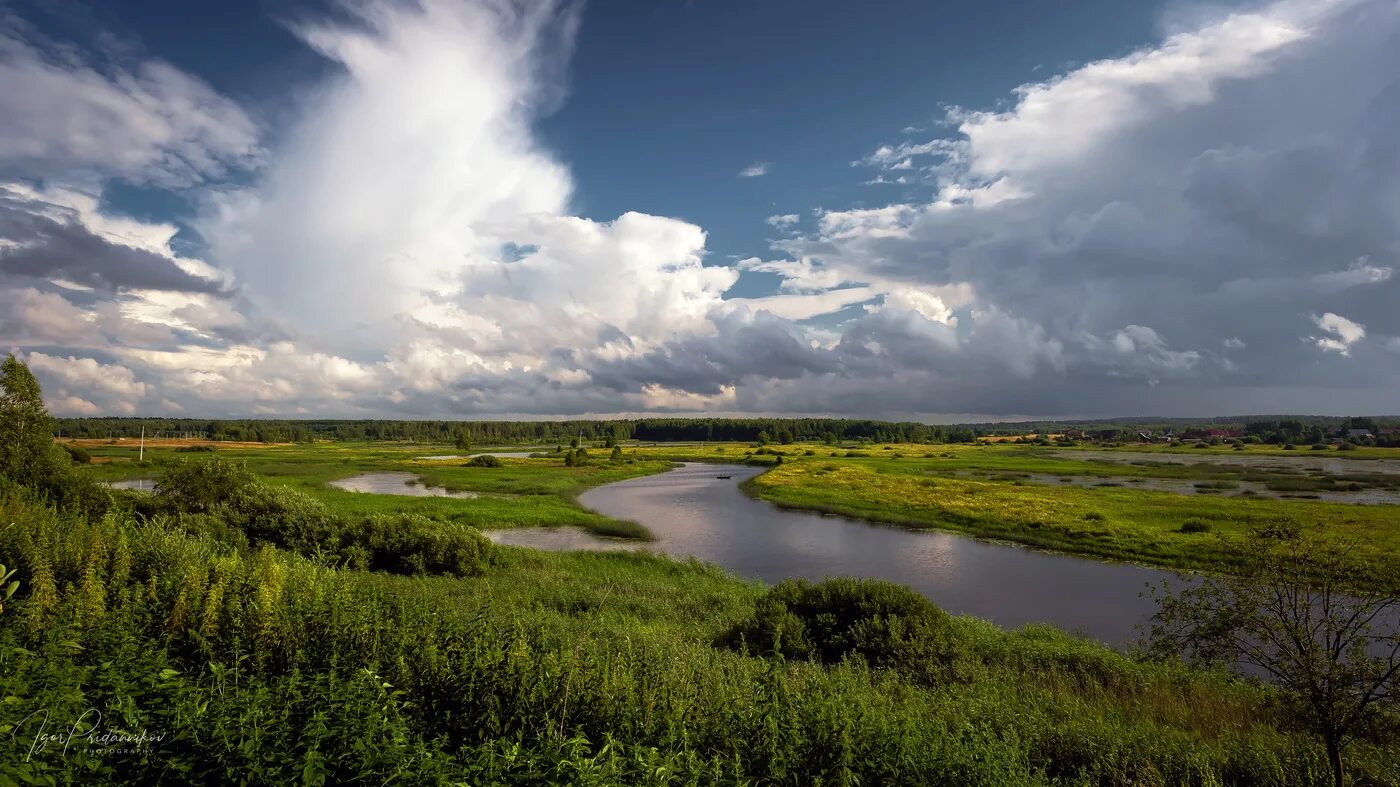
x=695 y=514
x=389 y=483
x=139 y=484
x=441 y=457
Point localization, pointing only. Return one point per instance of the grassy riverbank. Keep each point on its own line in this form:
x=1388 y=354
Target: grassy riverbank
x=980 y=490
x=263 y=666
x=1117 y=523
x=988 y=491
x=520 y=493
x=233 y=627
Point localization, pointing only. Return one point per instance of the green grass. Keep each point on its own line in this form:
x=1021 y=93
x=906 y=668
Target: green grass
x=521 y=493
x=1117 y=522
x=265 y=667
x=926 y=486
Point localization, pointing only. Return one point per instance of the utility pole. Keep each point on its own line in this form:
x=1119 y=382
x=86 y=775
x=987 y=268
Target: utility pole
x=142 y=455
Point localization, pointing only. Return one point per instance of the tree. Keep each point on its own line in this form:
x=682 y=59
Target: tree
x=464 y=441
x=616 y=456
x=1300 y=612
x=26 y=433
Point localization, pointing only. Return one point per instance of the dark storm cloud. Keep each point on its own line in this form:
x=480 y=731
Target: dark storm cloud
x=42 y=247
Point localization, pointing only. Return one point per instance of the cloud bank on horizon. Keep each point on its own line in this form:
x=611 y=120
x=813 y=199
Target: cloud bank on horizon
x=1206 y=225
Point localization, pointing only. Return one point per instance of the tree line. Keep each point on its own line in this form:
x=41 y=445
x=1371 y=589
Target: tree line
x=501 y=432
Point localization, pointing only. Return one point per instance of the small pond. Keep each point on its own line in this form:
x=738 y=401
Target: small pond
x=394 y=483
x=139 y=484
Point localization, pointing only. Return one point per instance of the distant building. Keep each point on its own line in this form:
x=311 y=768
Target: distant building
x=1211 y=434
x=1358 y=434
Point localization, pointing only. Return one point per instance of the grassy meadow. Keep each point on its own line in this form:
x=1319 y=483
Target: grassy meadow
x=521 y=493
x=285 y=661
x=929 y=486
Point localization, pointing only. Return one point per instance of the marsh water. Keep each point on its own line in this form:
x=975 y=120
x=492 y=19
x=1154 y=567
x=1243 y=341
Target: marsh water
x=1186 y=486
x=393 y=483
x=695 y=514
x=139 y=484
x=443 y=457
x=1300 y=461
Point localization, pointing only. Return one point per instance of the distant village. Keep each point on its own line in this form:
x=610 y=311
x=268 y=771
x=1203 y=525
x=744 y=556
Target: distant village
x=1352 y=433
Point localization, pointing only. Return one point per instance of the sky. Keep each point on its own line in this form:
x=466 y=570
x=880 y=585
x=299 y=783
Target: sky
x=490 y=208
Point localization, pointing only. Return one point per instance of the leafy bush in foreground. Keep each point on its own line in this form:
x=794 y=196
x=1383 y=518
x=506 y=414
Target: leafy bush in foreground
x=888 y=626
x=414 y=544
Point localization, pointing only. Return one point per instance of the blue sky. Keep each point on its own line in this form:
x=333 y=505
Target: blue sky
x=665 y=102
x=479 y=207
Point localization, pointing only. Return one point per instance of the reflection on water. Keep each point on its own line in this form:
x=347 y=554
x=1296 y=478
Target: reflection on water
x=559 y=539
x=139 y=484
x=695 y=514
x=389 y=483
x=442 y=457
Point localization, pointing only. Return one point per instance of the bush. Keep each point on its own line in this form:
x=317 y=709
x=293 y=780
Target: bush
x=230 y=491
x=1290 y=447
x=1195 y=525
x=1094 y=516
x=195 y=449
x=485 y=460
x=283 y=516
x=198 y=486
x=224 y=500
x=1319 y=446
x=415 y=544
x=77 y=454
x=888 y=626
x=1346 y=447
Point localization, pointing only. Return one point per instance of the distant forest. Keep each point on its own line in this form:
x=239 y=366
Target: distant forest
x=651 y=429
x=509 y=432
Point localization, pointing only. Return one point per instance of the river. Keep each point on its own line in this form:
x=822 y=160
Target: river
x=695 y=514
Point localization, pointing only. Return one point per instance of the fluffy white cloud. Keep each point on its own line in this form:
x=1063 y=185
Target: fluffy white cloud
x=1153 y=212
x=755 y=170
x=1148 y=233
x=1341 y=333
x=76 y=386
x=63 y=115
x=804 y=306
